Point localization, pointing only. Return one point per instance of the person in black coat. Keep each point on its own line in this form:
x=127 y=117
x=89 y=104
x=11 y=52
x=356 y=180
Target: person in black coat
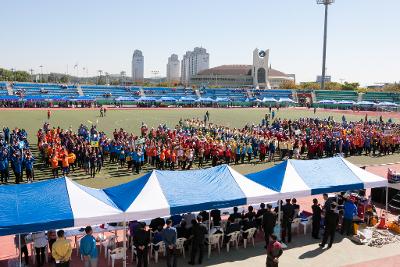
x=268 y=223
x=216 y=217
x=198 y=237
x=248 y=224
x=316 y=218
x=141 y=240
x=331 y=222
x=230 y=228
x=288 y=214
x=259 y=214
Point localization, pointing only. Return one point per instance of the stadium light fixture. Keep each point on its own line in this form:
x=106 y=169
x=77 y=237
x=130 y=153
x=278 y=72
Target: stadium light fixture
x=326 y=3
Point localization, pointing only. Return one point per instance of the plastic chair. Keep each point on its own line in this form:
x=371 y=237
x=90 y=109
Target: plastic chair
x=109 y=243
x=250 y=236
x=161 y=249
x=234 y=239
x=180 y=245
x=305 y=224
x=238 y=220
x=214 y=240
x=296 y=224
x=115 y=254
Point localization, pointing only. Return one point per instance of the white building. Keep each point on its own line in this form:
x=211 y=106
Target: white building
x=258 y=75
x=137 y=66
x=193 y=62
x=173 y=68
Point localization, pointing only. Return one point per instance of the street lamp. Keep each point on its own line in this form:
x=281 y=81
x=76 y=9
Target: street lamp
x=13 y=74
x=100 y=72
x=41 y=71
x=155 y=73
x=326 y=3
x=123 y=74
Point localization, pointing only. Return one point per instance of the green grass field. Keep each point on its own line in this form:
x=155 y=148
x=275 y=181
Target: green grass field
x=130 y=120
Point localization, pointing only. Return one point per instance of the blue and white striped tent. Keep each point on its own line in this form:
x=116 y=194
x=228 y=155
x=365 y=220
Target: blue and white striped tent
x=299 y=178
x=53 y=204
x=164 y=193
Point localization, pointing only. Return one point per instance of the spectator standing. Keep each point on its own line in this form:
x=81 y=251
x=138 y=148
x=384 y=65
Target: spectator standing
x=274 y=251
x=331 y=222
x=17 y=167
x=23 y=249
x=40 y=243
x=288 y=214
x=316 y=218
x=4 y=173
x=88 y=248
x=268 y=223
x=141 y=241
x=62 y=250
x=199 y=232
x=169 y=236
x=350 y=210
x=28 y=162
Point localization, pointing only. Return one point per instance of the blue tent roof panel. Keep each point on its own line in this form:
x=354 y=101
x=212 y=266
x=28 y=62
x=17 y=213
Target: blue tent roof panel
x=219 y=184
x=328 y=175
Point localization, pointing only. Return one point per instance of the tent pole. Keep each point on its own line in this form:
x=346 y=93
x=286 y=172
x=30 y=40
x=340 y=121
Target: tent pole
x=124 y=244
x=387 y=199
x=209 y=221
x=279 y=220
x=20 y=254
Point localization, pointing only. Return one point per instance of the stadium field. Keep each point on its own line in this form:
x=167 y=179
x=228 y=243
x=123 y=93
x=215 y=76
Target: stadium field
x=131 y=119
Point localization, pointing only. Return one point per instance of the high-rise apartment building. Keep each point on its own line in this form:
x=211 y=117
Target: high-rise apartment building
x=173 y=68
x=137 y=66
x=193 y=62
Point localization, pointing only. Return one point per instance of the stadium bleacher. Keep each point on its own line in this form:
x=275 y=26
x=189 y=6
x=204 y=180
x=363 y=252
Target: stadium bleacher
x=335 y=95
x=158 y=92
x=236 y=95
x=3 y=88
x=107 y=92
x=277 y=94
x=45 y=89
x=381 y=97
x=104 y=91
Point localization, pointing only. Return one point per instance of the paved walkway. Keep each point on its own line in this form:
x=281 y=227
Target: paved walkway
x=302 y=252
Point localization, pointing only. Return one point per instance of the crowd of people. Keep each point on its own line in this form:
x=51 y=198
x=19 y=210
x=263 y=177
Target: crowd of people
x=196 y=231
x=195 y=143
x=15 y=153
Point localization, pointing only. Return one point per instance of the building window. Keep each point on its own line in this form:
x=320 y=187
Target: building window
x=261 y=75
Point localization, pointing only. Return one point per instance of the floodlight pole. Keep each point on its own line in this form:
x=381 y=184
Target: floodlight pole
x=326 y=3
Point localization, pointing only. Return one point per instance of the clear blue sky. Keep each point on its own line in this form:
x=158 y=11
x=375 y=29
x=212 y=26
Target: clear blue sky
x=363 y=40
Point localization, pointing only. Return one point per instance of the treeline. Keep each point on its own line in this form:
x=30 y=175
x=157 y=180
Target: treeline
x=395 y=87
x=17 y=75
x=316 y=86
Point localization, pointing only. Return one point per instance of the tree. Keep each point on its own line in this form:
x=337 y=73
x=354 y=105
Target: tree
x=333 y=86
x=350 y=86
x=288 y=84
x=52 y=78
x=19 y=76
x=394 y=87
x=310 y=85
x=64 y=79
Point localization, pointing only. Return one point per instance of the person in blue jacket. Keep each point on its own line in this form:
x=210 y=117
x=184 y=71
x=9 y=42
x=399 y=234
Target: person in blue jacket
x=28 y=162
x=350 y=210
x=17 y=163
x=4 y=165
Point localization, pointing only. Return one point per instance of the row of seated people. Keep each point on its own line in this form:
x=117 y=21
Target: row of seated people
x=236 y=221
